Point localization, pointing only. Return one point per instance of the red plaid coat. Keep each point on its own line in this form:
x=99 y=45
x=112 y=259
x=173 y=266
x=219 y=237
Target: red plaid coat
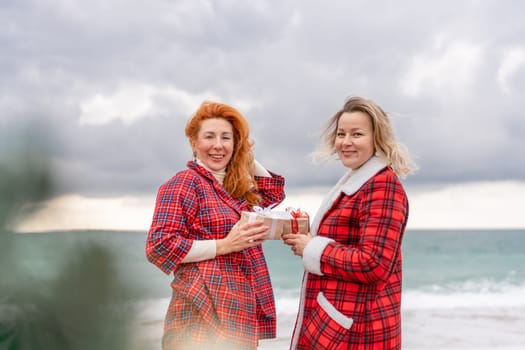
x=351 y=297
x=228 y=299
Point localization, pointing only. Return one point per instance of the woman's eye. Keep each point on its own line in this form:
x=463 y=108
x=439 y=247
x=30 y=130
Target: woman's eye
x=340 y=134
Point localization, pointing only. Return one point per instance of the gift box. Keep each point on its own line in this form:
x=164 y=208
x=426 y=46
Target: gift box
x=279 y=222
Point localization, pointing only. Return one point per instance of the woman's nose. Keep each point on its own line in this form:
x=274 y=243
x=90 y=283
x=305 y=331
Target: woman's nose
x=217 y=143
x=347 y=140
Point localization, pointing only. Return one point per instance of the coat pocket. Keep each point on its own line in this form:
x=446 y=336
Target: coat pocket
x=342 y=320
x=326 y=327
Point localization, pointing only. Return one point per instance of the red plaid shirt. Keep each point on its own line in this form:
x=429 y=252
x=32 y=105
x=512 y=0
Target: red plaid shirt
x=355 y=301
x=228 y=299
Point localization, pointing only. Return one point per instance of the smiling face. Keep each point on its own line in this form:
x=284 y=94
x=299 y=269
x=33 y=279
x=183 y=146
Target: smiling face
x=214 y=143
x=354 y=140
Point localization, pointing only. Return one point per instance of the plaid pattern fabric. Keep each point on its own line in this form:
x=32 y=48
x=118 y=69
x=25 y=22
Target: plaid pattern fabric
x=361 y=270
x=227 y=300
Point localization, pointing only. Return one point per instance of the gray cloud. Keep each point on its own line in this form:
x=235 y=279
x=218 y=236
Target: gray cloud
x=451 y=75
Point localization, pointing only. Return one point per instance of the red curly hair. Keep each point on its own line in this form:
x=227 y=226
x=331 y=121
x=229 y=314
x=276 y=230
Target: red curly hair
x=239 y=181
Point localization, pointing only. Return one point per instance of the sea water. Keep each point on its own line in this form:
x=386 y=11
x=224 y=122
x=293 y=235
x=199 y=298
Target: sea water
x=462 y=289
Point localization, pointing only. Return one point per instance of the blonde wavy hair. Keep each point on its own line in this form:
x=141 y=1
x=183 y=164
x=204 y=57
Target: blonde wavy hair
x=385 y=144
x=239 y=181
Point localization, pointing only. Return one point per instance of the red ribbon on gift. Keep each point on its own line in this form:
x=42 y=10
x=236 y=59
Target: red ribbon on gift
x=296 y=214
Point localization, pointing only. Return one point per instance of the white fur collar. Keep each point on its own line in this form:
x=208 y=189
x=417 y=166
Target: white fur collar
x=349 y=183
x=359 y=177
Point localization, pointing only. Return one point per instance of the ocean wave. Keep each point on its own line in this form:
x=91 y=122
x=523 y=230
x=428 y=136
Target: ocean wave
x=483 y=293
x=469 y=294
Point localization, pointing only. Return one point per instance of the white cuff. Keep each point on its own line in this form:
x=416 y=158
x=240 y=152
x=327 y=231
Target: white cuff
x=312 y=254
x=201 y=250
x=260 y=170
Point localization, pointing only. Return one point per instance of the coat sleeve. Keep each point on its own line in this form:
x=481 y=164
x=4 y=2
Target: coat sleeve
x=271 y=189
x=383 y=212
x=176 y=207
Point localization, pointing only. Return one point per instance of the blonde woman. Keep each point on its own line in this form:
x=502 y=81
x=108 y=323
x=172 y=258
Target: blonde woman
x=351 y=293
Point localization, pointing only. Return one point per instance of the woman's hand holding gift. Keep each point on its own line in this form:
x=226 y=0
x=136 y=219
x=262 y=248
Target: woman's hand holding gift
x=297 y=242
x=242 y=236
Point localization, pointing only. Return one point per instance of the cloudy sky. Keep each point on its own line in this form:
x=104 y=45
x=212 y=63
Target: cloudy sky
x=112 y=83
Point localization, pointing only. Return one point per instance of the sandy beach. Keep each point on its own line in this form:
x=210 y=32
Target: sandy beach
x=436 y=329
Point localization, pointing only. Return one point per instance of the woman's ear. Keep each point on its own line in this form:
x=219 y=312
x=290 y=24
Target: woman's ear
x=193 y=151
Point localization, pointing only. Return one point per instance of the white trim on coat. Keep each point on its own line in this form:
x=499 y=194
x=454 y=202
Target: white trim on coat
x=349 y=184
x=362 y=175
x=312 y=254
x=341 y=319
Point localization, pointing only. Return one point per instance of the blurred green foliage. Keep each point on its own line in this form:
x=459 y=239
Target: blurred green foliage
x=86 y=307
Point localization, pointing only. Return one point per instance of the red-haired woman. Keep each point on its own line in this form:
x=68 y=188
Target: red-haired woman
x=222 y=294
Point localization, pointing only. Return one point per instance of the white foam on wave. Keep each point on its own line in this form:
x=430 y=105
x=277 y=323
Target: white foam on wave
x=286 y=302
x=470 y=294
